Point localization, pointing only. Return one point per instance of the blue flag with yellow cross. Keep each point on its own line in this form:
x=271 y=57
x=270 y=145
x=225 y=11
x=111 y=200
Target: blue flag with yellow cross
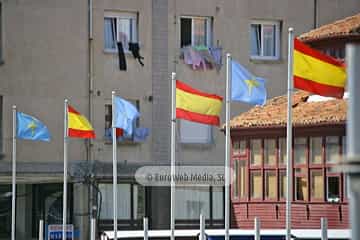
x=30 y=128
x=245 y=87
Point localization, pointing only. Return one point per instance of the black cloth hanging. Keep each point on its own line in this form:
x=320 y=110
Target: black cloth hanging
x=135 y=49
x=122 y=59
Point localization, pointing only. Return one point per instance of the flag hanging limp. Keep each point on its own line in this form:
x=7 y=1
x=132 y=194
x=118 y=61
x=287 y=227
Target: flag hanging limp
x=196 y=106
x=125 y=114
x=30 y=128
x=317 y=72
x=78 y=125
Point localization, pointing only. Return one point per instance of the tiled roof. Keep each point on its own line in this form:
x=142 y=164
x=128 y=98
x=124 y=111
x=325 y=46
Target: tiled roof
x=274 y=112
x=349 y=26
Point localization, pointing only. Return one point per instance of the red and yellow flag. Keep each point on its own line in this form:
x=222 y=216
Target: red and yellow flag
x=78 y=125
x=317 y=72
x=196 y=106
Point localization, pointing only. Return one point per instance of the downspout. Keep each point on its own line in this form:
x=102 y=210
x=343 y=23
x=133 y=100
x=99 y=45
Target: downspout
x=315 y=14
x=90 y=102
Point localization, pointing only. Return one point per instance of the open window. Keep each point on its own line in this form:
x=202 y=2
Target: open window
x=120 y=27
x=195 y=31
x=265 y=40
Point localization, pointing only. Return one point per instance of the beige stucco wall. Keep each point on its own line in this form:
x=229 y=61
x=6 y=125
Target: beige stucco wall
x=46 y=60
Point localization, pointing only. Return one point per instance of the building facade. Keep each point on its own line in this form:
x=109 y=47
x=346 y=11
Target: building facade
x=319 y=144
x=52 y=50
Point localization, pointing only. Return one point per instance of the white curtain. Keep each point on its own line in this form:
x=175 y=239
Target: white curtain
x=109 y=33
x=269 y=40
x=190 y=202
x=199 y=32
x=124 y=205
x=255 y=37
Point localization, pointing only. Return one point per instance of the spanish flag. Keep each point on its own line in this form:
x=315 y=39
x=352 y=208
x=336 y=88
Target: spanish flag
x=78 y=125
x=317 y=72
x=196 y=106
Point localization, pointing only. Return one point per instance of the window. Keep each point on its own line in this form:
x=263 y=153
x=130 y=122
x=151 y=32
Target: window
x=282 y=184
x=300 y=150
x=5 y=211
x=242 y=178
x=192 y=132
x=236 y=179
x=195 y=31
x=125 y=192
x=108 y=121
x=47 y=205
x=282 y=151
x=333 y=189
x=120 y=27
x=270 y=152
x=255 y=152
x=256 y=184
x=239 y=147
x=332 y=149
x=265 y=40
x=301 y=185
x=316 y=150
x=317 y=185
x=270 y=185
x=193 y=201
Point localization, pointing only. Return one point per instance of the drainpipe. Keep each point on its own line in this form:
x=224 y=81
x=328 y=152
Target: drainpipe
x=315 y=14
x=91 y=104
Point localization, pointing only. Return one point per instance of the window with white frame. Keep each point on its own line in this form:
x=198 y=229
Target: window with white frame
x=192 y=132
x=195 y=31
x=265 y=40
x=120 y=27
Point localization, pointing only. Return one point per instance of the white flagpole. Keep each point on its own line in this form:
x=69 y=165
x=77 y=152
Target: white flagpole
x=13 y=202
x=289 y=135
x=227 y=147
x=65 y=169
x=172 y=172
x=114 y=145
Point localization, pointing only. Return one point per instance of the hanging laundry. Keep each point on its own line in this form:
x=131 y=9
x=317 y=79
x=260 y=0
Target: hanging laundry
x=140 y=134
x=193 y=58
x=122 y=59
x=135 y=49
x=216 y=53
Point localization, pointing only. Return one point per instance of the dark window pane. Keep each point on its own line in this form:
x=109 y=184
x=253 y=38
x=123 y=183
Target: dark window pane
x=185 y=24
x=5 y=211
x=333 y=194
x=270 y=152
x=255 y=150
x=332 y=149
x=316 y=150
x=300 y=150
x=282 y=184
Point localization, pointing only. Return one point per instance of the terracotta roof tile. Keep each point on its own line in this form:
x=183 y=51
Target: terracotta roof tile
x=349 y=26
x=274 y=112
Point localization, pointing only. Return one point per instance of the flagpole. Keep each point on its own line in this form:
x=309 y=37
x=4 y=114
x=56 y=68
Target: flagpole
x=289 y=135
x=227 y=147
x=13 y=195
x=65 y=169
x=114 y=145
x=172 y=172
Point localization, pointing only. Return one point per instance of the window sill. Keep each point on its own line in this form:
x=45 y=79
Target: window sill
x=260 y=60
x=123 y=143
x=197 y=145
x=106 y=51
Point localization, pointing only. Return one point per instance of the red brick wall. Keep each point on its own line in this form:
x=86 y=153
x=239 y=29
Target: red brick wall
x=304 y=216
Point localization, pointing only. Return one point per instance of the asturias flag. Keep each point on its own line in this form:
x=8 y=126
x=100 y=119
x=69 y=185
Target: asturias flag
x=196 y=106
x=31 y=128
x=245 y=87
x=125 y=114
x=317 y=72
x=78 y=125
